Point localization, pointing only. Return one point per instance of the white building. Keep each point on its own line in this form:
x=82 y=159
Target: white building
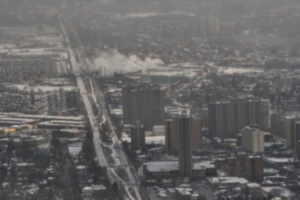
x=253 y=139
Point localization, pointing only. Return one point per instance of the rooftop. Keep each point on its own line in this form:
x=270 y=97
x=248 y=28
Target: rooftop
x=184 y=113
x=227 y=180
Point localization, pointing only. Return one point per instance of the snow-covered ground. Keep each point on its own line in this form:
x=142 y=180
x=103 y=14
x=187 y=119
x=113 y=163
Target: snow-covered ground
x=110 y=62
x=74 y=148
x=150 y=14
x=232 y=70
x=42 y=88
x=117 y=111
x=283 y=192
x=33 y=51
x=44 y=146
x=115 y=156
x=155 y=140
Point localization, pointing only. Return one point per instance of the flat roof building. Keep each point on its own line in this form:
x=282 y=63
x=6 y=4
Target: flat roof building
x=250 y=167
x=172 y=135
x=162 y=169
x=144 y=103
x=226 y=119
x=185 y=143
x=253 y=139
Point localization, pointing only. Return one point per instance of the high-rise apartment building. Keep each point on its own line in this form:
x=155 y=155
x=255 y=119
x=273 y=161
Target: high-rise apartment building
x=206 y=25
x=137 y=136
x=185 y=143
x=292 y=133
x=196 y=134
x=226 y=119
x=253 y=139
x=145 y=103
x=172 y=135
x=250 y=167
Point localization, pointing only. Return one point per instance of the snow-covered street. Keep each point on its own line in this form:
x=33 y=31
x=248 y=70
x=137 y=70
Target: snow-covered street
x=117 y=154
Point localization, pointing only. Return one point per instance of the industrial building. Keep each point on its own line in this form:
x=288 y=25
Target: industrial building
x=61 y=124
x=42 y=121
x=164 y=169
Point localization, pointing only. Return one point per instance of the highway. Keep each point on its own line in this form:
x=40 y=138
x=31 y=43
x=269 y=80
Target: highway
x=94 y=125
x=117 y=148
x=118 y=153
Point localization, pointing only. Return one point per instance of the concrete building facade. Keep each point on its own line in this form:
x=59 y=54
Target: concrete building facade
x=253 y=139
x=250 y=167
x=185 y=143
x=144 y=103
x=207 y=25
x=226 y=119
x=292 y=133
x=172 y=135
x=137 y=136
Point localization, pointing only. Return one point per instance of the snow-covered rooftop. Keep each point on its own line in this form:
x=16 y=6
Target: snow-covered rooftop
x=162 y=166
x=227 y=180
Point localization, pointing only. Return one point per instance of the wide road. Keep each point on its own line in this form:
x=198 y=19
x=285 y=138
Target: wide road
x=93 y=123
x=133 y=184
x=131 y=172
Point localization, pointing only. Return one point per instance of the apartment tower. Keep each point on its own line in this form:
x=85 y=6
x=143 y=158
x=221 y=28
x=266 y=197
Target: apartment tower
x=185 y=143
x=292 y=133
x=137 y=136
x=145 y=103
x=226 y=119
x=250 y=167
x=172 y=135
x=253 y=139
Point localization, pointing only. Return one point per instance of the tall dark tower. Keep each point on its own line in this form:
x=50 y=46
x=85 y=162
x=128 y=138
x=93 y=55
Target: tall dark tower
x=185 y=143
x=172 y=135
x=144 y=103
x=137 y=136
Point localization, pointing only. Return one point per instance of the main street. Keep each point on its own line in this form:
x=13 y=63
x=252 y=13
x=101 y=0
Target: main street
x=132 y=188
x=118 y=149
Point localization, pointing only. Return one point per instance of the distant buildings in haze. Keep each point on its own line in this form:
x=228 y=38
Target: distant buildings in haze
x=207 y=25
x=226 y=119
